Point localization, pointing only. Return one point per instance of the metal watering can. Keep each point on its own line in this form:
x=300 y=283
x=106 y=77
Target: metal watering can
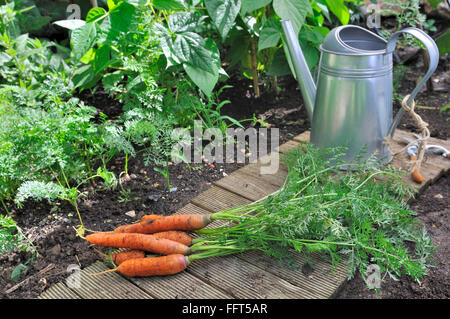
x=352 y=104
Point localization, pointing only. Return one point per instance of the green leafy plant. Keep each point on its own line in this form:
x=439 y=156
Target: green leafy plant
x=165 y=173
x=51 y=191
x=357 y=215
x=445 y=109
x=12 y=237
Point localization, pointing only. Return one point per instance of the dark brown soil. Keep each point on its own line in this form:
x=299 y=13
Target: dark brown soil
x=51 y=226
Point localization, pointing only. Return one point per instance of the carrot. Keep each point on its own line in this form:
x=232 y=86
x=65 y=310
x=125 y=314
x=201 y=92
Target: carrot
x=175 y=235
x=120 y=257
x=152 y=266
x=174 y=222
x=417 y=177
x=150 y=217
x=139 y=242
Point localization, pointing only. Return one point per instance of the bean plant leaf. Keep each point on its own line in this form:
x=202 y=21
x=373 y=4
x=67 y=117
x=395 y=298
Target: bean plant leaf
x=102 y=58
x=71 y=24
x=83 y=76
x=169 y=4
x=270 y=34
x=435 y=3
x=443 y=42
x=189 y=48
x=111 y=80
x=183 y=22
x=94 y=14
x=315 y=36
x=211 y=46
x=251 y=5
x=82 y=39
x=339 y=9
x=293 y=10
x=223 y=13
x=206 y=81
x=121 y=17
x=166 y=44
x=279 y=65
x=322 y=5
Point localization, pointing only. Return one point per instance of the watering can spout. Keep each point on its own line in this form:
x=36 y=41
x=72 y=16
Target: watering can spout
x=298 y=62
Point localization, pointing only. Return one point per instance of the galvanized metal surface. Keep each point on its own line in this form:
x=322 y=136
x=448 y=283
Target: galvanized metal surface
x=351 y=102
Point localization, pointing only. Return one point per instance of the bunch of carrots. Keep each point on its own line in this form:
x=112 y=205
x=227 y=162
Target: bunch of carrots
x=320 y=208
x=163 y=235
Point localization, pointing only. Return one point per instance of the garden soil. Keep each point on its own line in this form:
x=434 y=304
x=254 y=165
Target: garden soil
x=51 y=226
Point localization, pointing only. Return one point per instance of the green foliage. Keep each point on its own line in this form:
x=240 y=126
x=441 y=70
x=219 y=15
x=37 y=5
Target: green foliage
x=443 y=42
x=343 y=214
x=223 y=14
x=445 y=109
x=191 y=36
x=11 y=236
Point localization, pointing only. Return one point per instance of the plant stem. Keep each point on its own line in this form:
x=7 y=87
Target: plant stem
x=254 y=67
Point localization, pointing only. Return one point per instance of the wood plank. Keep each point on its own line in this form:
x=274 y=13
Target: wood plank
x=303 y=137
x=183 y=285
x=247 y=186
x=277 y=178
x=401 y=133
x=59 y=291
x=217 y=199
x=107 y=286
x=322 y=281
x=432 y=167
x=289 y=145
x=244 y=280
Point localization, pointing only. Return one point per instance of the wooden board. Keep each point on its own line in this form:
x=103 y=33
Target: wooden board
x=180 y=286
x=432 y=167
x=216 y=199
x=244 y=280
x=100 y=287
x=314 y=275
x=247 y=186
x=59 y=291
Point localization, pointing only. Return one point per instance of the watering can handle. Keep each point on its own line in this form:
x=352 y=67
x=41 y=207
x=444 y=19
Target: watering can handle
x=433 y=54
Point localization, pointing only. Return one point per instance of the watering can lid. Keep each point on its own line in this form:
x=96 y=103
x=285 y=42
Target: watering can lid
x=353 y=40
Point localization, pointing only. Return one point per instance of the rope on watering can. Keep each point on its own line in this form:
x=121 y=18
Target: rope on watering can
x=425 y=135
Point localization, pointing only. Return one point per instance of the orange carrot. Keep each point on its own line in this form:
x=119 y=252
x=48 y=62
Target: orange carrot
x=150 y=217
x=120 y=257
x=417 y=177
x=175 y=235
x=139 y=242
x=152 y=266
x=174 y=222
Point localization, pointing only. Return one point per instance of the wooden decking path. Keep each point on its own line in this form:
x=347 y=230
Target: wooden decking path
x=243 y=276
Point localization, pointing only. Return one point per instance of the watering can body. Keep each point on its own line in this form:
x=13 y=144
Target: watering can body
x=351 y=106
